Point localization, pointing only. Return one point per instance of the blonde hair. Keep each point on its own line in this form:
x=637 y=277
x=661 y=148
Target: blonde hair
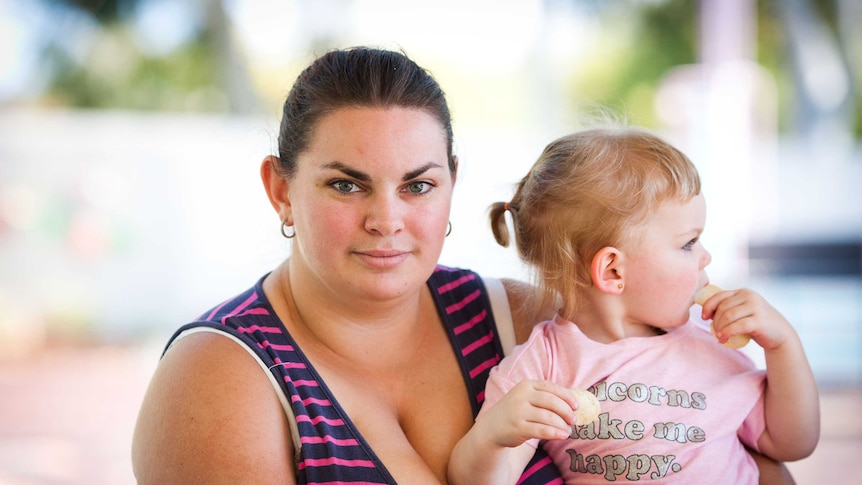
x=588 y=190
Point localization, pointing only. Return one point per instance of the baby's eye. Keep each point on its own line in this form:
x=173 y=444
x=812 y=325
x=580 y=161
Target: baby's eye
x=690 y=244
x=418 y=187
x=345 y=186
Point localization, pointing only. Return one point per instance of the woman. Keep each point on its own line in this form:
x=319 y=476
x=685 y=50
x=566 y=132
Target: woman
x=363 y=185
x=359 y=358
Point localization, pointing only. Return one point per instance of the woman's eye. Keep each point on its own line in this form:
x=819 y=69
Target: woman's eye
x=418 y=187
x=345 y=186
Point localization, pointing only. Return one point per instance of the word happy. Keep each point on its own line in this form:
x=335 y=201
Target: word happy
x=635 y=466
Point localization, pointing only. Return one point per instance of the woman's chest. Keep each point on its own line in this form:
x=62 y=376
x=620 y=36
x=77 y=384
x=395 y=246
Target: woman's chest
x=411 y=415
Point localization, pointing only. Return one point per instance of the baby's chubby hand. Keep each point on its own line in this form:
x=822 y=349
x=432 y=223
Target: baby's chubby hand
x=533 y=409
x=746 y=312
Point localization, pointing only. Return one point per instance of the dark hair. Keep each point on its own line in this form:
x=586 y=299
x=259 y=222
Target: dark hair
x=356 y=77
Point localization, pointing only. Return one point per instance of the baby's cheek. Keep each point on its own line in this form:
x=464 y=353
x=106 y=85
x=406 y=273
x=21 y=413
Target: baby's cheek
x=684 y=289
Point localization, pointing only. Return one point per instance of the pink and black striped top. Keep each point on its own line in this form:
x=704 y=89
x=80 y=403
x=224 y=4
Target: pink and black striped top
x=332 y=449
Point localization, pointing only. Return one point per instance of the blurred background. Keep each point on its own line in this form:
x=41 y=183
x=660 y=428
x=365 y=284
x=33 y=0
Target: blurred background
x=131 y=132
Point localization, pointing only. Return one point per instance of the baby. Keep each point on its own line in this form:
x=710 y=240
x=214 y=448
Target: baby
x=610 y=221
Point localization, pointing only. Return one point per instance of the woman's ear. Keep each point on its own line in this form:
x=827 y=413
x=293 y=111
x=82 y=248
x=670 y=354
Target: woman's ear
x=276 y=187
x=607 y=270
x=455 y=171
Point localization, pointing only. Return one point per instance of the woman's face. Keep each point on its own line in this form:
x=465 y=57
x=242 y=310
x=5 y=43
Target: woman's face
x=370 y=201
x=666 y=266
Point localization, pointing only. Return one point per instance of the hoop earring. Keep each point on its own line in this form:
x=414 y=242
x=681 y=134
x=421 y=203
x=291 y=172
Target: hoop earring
x=287 y=236
x=449 y=231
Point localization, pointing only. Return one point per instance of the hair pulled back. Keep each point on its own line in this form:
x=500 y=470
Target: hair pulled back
x=356 y=77
x=589 y=190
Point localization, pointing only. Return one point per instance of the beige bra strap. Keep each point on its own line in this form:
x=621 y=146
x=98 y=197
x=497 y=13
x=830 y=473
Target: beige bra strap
x=502 y=313
x=285 y=405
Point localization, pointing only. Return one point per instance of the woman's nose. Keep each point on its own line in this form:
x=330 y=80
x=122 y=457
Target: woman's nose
x=385 y=214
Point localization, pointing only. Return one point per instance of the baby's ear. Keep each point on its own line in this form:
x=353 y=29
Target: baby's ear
x=607 y=270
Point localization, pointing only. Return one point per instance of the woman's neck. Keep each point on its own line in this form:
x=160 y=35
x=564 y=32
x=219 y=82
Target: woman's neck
x=350 y=328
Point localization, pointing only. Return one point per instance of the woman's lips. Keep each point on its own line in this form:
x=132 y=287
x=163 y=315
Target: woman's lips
x=383 y=258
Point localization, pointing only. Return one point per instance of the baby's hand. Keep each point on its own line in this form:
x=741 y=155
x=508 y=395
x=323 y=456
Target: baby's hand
x=735 y=341
x=532 y=409
x=745 y=312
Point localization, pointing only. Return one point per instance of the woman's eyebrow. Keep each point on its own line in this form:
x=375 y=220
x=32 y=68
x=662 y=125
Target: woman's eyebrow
x=361 y=176
x=419 y=171
x=364 y=177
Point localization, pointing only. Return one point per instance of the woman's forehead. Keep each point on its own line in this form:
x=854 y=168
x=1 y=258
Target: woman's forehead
x=371 y=137
x=378 y=120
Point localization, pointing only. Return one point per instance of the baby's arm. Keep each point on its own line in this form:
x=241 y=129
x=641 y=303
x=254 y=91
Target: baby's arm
x=495 y=450
x=792 y=406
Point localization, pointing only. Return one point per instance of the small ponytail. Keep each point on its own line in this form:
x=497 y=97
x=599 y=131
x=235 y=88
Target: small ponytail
x=497 y=215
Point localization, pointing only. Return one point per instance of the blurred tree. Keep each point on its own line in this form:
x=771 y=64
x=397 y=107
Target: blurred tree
x=106 y=11
x=659 y=36
x=203 y=73
x=821 y=49
x=813 y=48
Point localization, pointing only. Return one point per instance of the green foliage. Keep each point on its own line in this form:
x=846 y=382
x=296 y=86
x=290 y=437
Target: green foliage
x=105 y=11
x=117 y=75
x=640 y=43
x=662 y=35
x=775 y=53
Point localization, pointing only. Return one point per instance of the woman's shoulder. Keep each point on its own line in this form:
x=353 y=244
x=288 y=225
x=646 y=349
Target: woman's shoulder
x=528 y=308
x=230 y=406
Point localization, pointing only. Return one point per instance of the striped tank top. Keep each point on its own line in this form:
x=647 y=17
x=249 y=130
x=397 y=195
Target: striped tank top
x=332 y=451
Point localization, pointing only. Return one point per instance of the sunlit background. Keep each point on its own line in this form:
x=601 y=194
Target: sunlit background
x=131 y=132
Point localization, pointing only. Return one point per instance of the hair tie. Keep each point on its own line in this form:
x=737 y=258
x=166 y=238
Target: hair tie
x=505 y=206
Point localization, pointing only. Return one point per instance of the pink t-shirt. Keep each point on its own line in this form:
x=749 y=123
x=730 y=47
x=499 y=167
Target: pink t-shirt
x=675 y=408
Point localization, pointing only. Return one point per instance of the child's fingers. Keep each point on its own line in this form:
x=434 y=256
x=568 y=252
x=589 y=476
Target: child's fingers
x=733 y=323
x=731 y=312
x=558 y=409
x=531 y=409
x=710 y=305
x=555 y=399
x=546 y=424
x=740 y=315
x=730 y=337
x=575 y=406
